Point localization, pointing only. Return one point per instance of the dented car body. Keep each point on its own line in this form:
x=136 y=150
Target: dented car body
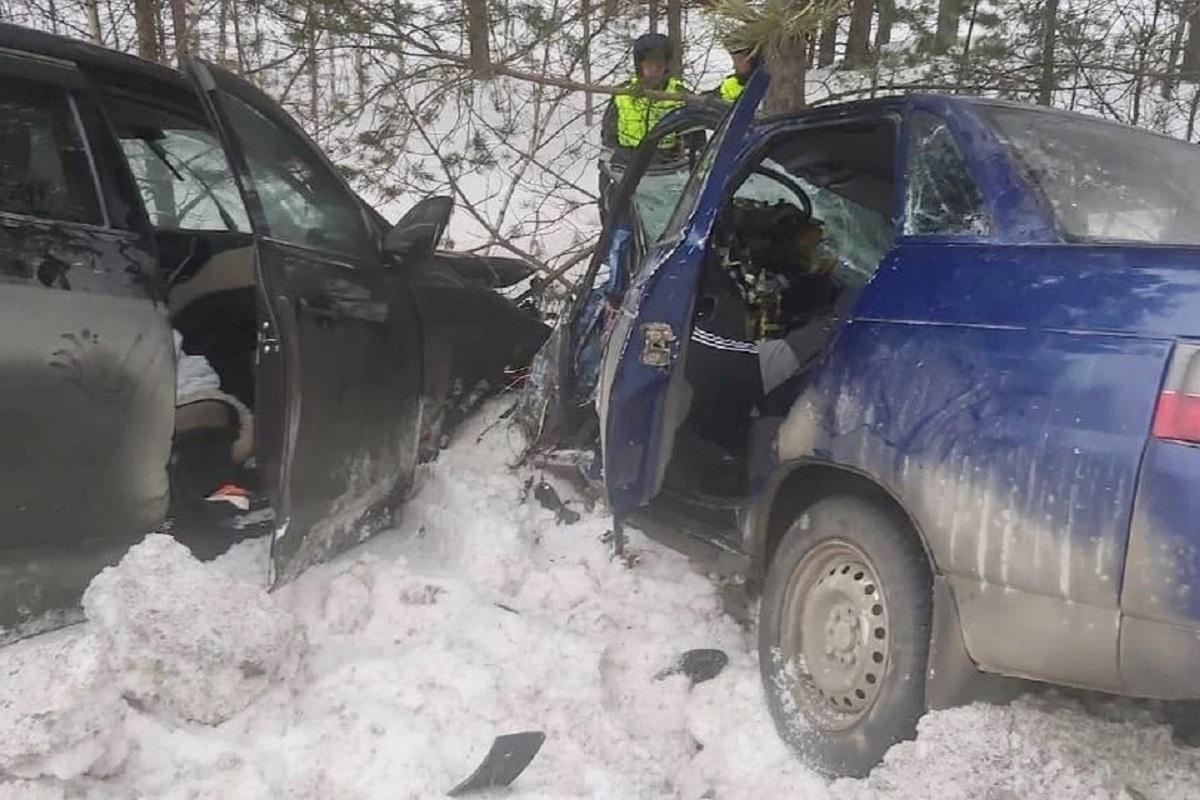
x=1006 y=365
x=135 y=200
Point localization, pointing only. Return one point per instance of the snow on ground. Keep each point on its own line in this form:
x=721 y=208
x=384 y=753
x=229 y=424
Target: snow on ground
x=388 y=672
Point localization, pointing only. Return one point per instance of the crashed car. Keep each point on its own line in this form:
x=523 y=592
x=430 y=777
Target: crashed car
x=976 y=453
x=140 y=207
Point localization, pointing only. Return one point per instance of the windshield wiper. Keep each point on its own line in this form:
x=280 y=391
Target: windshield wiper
x=161 y=153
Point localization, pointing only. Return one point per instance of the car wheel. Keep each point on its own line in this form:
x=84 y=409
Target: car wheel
x=844 y=634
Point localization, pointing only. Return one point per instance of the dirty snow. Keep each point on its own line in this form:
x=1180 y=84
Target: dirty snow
x=388 y=672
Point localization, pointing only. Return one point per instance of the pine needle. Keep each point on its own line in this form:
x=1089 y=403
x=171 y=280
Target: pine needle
x=769 y=26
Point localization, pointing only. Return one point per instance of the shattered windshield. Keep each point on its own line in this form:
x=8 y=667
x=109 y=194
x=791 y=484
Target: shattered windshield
x=1106 y=182
x=655 y=198
x=860 y=235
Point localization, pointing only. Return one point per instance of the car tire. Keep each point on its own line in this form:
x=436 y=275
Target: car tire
x=844 y=634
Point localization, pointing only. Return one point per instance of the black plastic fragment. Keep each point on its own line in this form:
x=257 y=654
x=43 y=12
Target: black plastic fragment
x=544 y=493
x=698 y=665
x=508 y=757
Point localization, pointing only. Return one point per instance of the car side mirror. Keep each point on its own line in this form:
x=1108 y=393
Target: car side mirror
x=420 y=231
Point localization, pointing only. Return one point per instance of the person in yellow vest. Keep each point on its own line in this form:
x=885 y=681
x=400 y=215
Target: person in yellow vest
x=744 y=64
x=629 y=117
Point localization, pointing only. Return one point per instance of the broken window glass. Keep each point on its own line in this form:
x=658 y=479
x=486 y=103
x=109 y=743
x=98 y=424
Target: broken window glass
x=942 y=198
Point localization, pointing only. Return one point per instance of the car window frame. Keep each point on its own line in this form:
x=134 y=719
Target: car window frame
x=67 y=78
x=370 y=255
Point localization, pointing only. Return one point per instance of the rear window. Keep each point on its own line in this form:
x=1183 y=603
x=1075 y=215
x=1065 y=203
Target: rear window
x=1106 y=182
x=44 y=166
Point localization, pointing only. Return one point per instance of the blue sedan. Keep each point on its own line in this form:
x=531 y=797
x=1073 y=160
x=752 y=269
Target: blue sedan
x=930 y=367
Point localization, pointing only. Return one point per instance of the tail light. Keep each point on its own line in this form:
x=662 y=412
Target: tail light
x=1178 y=414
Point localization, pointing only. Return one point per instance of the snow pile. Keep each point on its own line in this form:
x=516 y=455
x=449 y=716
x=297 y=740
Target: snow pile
x=59 y=711
x=482 y=615
x=1039 y=747
x=186 y=639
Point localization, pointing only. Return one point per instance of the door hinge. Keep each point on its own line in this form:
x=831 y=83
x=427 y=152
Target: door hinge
x=657 y=338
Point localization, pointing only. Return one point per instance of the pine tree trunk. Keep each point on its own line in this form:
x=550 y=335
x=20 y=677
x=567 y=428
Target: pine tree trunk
x=887 y=18
x=93 y=15
x=1168 y=85
x=1190 y=70
x=222 y=31
x=1046 y=85
x=785 y=93
x=589 y=101
x=653 y=16
x=179 y=22
x=947 y=26
x=146 y=16
x=238 y=53
x=477 y=36
x=827 y=49
x=1143 y=52
x=675 y=34
x=858 y=39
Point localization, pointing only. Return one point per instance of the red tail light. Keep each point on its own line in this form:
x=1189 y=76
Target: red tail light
x=1178 y=414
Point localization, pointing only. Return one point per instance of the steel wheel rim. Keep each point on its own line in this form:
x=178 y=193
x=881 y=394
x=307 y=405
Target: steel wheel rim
x=835 y=636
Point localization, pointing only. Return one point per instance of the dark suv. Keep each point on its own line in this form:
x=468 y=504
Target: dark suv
x=135 y=200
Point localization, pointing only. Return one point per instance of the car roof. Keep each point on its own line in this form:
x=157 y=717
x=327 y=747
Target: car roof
x=85 y=54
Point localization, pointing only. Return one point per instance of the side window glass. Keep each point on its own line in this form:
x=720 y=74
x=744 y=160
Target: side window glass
x=44 y=166
x=304 y=203
x=942 y=198
x=184 y=180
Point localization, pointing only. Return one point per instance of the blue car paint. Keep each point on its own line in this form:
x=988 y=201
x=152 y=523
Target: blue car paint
x=632 y=409
x=1162 y=579
x=1001 y=389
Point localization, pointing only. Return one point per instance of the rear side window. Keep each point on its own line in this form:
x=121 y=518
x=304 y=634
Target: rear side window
x=942 y=198
x=44 y=167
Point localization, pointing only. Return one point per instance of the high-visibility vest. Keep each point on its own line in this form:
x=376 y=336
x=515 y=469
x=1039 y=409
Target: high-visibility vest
x=637 y=115
x=730 y=89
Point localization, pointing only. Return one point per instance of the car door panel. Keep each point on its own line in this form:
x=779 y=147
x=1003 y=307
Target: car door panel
x=642 y=397
x=86 y=362
x=339 y=359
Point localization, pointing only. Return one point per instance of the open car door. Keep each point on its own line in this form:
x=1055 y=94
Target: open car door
x=338 y=362
x=641 y=393
x=559 y=399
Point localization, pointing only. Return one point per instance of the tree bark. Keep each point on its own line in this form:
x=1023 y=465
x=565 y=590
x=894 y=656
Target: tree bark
x=1046 y=85
x=827 y=49
x=887 y=18
x=222 y=31
x=179 y=20
x=93 y=15
x=1168 y=86
x=653 y=12
x=947 y=26
x=1190 y=71
x=589 y=101
x=785 y=94
x=477 y=36
x=1143 y=53
x=146 y=16
x=675 y=34
x=857 y=41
